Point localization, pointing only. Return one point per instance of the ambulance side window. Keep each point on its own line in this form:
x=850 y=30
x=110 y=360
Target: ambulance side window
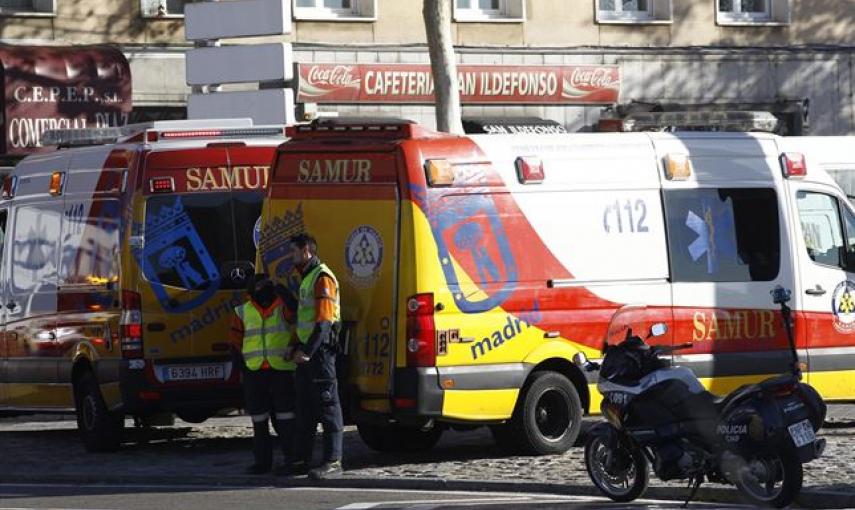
x=723 y=234
x=819 y=215
x=849 y=221
x=35 y=248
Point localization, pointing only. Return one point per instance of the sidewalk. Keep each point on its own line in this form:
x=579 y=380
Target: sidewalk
x=218 y=451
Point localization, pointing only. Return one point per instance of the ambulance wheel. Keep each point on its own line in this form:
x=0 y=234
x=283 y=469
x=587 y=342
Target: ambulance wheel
x=548 y=416
x=398 y=438
x=100 y=429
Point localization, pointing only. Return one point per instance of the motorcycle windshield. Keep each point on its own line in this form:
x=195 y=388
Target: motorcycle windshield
x=631 y=320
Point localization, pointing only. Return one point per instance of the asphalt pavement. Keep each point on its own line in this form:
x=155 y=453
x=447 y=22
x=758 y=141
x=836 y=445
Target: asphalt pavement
x=141 y=497
x=47 y=450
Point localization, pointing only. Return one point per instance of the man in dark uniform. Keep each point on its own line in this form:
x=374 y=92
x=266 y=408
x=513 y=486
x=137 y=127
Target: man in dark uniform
x=318 y=321
x=262 y=334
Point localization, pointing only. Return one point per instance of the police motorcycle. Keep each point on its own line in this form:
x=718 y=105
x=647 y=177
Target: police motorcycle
x=756 y=438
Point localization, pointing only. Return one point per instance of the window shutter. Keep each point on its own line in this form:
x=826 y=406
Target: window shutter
x=661 y=10
x=366 y=8
x=44 y=6
x=515 y=9
x=781 y=11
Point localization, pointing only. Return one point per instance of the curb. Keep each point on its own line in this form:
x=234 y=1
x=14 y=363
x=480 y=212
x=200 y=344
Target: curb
x=809 y=498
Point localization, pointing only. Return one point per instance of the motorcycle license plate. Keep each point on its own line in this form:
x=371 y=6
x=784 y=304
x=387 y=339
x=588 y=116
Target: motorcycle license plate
x=802 y=433
x=194 y=372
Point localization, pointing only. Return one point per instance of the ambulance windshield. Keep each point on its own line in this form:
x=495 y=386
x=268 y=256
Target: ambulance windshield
x=191 y=240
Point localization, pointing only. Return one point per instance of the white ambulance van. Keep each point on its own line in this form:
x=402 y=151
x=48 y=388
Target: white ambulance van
x=473 y=268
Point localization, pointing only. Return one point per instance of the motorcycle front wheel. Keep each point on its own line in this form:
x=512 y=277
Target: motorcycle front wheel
x=619 y=472
x=771 y=480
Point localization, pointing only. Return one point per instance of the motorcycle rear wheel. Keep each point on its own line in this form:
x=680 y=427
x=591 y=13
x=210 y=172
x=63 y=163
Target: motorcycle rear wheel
x=772 y=480
x=621 y=473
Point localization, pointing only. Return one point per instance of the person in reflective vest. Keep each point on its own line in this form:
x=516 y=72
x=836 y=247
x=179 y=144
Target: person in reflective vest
x=263 y=336
x=318 y=322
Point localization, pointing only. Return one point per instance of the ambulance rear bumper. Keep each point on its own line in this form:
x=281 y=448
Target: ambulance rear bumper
x=421 y=391
x=142 y=393
x=417 y=392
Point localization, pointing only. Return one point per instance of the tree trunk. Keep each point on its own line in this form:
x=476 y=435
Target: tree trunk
x=437 y=16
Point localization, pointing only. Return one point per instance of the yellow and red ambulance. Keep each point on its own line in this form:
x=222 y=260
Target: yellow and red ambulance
x=472 y=268
x=123 y=256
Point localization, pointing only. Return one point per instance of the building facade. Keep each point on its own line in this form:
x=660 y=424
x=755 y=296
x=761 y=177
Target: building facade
x=793 y=58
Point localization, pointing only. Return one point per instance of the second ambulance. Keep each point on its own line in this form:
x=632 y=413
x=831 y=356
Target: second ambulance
x=473 y=268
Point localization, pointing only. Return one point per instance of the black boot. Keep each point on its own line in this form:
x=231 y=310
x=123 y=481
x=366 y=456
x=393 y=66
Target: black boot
x=262 y=448
x=330 y=469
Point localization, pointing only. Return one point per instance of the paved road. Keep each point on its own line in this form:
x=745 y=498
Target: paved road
x=219 y=450
x=131 y=497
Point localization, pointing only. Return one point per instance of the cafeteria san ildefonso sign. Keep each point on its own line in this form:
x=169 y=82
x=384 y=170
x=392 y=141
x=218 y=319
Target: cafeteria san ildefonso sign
x=47 y=87
x=479 y=84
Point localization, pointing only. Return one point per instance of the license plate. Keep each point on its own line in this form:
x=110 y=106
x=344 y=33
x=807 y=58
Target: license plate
x=802 y=433
x=193 y=372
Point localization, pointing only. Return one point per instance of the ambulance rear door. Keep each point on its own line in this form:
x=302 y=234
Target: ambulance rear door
x=349 y=200
x=198 y=253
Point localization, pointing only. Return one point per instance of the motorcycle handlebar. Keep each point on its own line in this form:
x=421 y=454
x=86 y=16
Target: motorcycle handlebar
x=668 y=349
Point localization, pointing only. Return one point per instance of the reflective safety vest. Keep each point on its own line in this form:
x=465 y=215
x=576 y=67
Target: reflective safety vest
x=306 y=312
x=264 y=339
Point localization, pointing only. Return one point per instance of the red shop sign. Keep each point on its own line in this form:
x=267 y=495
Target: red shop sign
x=479 y=84
x=61 y=87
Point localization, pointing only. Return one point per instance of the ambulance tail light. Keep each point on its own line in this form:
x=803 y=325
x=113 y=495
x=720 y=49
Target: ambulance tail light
x=421 y=331
x=130 y=325
x=793 y=164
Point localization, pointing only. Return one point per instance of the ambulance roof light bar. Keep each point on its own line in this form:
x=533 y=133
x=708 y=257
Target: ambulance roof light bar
x=746 y=121
x=209 y=128
x=373 y=127
x=81 y=137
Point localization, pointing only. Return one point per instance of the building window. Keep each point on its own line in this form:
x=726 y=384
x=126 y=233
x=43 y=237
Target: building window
x=163 y=8
x=489 y=10
x=747 y=12
x=633 y=11
x=351 y=10
x=27 y=7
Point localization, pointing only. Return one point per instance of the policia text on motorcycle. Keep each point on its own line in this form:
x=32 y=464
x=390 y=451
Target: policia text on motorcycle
x=318 y=322
x=261 y=331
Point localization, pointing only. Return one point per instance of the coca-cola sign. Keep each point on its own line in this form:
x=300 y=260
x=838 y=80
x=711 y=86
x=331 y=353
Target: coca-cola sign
x=54 y=87
x=479 y=84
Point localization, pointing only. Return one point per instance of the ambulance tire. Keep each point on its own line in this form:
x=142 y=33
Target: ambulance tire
x=548 y=416
x=398 y=438
x=100 y=429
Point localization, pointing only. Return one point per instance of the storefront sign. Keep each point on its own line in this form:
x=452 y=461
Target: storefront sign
x=479 y=84
x=60 y=88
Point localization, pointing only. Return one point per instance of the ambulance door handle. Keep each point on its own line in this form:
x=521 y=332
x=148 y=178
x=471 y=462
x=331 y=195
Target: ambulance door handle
x=816 y=291
x=552 y=334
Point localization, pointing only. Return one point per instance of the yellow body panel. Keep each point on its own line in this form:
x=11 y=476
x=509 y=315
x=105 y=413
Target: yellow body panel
x=479 y=405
